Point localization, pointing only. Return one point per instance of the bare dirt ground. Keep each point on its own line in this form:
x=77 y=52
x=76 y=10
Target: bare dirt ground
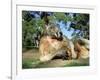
x=30 y=59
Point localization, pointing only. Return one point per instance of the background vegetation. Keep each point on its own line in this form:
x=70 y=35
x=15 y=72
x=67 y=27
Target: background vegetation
x=34 y=22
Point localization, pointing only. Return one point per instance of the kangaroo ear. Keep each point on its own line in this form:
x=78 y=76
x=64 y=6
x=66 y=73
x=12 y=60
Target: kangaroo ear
x=60 y=36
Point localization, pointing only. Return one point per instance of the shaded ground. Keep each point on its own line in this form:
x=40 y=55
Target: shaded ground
x=30 y=59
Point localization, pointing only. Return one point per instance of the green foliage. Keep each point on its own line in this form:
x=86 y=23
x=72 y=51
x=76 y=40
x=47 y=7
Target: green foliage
x=27 y=32
x=26 y=15
x=80 y=23
x=31 y=24
x=60 y=16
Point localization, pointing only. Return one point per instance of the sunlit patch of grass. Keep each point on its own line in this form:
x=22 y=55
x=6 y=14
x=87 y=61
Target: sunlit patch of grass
x=80 y=62
x=30 y=63
x=31 y=60
x=27 y=63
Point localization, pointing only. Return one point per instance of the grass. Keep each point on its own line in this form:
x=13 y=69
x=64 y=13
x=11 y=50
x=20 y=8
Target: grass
x=27 y=65
x=31 y=60
x=37 y=64
x=80 y=62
